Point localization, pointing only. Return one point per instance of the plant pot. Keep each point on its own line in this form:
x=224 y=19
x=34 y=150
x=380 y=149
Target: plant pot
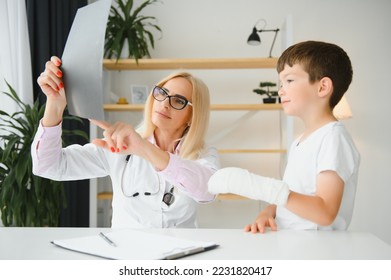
x=125 y=50
x=269 y=100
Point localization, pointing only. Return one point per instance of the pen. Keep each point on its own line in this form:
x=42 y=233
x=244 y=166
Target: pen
x=108 y=240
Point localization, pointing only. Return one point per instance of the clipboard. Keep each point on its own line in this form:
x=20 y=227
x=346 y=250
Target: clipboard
x=130 y=244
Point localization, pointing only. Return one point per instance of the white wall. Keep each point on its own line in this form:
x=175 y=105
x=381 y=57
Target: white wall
x=220 y=28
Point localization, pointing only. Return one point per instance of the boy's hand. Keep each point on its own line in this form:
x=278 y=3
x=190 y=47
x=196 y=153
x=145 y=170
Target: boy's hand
x=264 y=220
x=261 y=223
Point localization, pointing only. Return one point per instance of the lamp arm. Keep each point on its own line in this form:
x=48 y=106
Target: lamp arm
x=274 y=39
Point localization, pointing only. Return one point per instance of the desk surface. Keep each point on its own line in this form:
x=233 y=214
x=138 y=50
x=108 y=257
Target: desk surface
x=34 y=243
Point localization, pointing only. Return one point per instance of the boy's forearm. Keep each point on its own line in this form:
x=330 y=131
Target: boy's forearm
x=312 y=208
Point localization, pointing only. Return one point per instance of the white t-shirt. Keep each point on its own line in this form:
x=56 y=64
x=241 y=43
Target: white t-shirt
x=328 y=148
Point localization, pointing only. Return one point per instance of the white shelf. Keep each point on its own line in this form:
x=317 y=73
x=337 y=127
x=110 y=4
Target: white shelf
x=214 y=107
x=228 y=196
x=190 y=63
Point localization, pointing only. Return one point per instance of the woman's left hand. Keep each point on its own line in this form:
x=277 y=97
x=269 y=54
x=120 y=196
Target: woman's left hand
x=119 y=138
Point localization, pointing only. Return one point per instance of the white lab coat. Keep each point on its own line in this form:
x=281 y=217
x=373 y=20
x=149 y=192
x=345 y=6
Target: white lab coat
x=128 y=178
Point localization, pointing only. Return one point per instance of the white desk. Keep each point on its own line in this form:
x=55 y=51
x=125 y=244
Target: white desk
x=34 y=243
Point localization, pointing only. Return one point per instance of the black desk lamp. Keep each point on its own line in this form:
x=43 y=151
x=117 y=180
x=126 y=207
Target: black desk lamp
x=255 y=40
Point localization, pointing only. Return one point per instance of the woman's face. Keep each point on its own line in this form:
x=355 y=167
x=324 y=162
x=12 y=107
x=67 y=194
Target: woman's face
x=167 y=118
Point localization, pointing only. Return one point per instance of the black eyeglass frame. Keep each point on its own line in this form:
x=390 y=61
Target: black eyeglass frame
x=186 y=102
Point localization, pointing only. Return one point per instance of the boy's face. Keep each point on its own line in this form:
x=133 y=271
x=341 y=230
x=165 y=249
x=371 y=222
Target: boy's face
x=296 y=92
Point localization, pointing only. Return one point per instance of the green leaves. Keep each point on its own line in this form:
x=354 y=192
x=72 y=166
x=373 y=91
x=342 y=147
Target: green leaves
x=126 y=26
x=26 y=199
x=268 y=85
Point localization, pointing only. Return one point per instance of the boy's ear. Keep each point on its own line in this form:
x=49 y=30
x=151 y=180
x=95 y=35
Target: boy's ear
x=325 y=87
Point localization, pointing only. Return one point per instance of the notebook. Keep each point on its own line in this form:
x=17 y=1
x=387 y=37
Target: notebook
x=130 y=244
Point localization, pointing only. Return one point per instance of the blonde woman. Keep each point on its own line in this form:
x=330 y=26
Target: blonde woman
x=159 y=172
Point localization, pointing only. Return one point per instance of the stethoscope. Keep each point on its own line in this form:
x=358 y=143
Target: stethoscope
x=168 y=197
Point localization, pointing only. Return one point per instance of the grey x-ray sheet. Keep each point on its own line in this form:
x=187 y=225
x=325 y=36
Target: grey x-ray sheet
x=82 y=61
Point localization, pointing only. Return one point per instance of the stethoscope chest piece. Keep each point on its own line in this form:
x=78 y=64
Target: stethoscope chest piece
x=168 y=197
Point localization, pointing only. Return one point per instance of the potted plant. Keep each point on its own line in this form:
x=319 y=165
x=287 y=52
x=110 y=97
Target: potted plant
x=26 y=199
x=266 y=89
x=127 y=27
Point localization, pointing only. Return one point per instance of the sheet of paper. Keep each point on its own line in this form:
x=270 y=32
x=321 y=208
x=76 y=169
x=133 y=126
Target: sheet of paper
x=82 y=61
x=135 y=245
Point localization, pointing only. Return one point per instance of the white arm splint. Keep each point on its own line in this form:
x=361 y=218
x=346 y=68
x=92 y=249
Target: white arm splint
x=241 y=182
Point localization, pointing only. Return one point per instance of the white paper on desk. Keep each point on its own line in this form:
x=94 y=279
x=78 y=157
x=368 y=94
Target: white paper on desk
x=135 y=245
x=82 y=61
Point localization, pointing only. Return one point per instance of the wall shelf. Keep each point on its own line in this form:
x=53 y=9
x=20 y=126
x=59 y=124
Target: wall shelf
x=227 y=196
x=190 y=63
x=214 y=107
x=252 y=151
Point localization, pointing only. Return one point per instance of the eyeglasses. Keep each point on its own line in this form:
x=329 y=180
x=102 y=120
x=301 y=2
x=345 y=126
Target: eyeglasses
x=176 y=101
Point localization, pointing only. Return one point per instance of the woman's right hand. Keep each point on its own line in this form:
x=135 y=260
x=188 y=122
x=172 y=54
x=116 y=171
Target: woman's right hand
x=52 y=86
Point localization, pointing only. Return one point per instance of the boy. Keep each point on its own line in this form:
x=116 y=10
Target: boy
x=319 y=184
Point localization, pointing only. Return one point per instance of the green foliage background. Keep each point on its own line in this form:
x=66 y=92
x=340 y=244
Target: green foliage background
x=125 y=24
x=26 y=199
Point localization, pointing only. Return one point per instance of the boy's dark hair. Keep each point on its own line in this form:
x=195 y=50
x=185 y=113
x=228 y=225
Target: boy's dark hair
x=319 y=60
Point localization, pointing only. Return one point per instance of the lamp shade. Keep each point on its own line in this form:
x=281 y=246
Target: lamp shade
x=254 y=38
x=342 y=110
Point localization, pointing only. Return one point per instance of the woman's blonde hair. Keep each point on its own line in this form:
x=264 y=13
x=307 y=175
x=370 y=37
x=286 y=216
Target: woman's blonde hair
x=192 y=142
